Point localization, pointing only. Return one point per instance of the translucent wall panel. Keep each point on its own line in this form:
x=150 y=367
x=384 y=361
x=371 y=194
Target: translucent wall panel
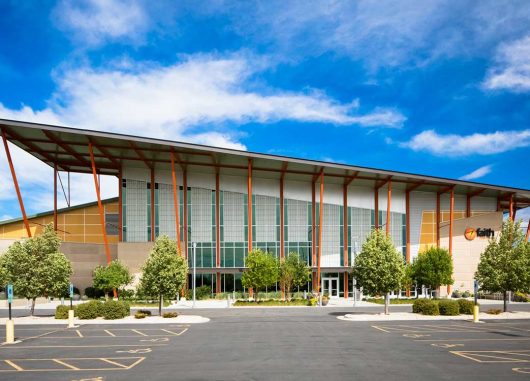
x=136 y=210
x=397 y=230
x=201 y=215
x=297 y=221
x=361 y=226
x=265 y=218
x=166 y=210
x=233 y=217
x=331 y=232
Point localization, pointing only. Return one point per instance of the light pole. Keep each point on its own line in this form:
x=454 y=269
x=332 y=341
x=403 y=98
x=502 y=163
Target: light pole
x=194 y=245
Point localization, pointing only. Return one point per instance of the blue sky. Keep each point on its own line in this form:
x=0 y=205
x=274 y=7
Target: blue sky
x=433 y=87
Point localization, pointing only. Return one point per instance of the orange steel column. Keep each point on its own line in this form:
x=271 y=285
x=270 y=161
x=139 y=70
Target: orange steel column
x=175 y=201
x=407 y=230
x=185 y=209
x=376 y=207
x=388 y=204
x=120 y=205
x=451 y=219
x=438 y=219
x=345 y=224
x=282 y=221
x=346 y=285
x=528 y=231
x=511 y=207
x=217 y=232
x=15 y=182
x=468 y=206
x=100 y=205
x=320 y=224
x=249 y=204
x=55 y=197
x=153 y=215
x=313 y=234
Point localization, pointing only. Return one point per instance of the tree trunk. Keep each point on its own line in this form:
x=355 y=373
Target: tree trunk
x=387 y=302
x=160 y=305
x=505 y=295
x=32 y=306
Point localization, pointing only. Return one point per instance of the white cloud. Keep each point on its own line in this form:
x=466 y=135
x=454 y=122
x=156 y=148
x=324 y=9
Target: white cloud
x=512 y=69
x=98 y=21
x=463 y=145
x=477 y=173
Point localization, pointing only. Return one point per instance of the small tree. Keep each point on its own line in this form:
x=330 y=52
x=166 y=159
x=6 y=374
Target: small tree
x=35 y=267
x=433 y=267
x=165 y=271
x=262 y=270
x=113 y=276
x=379 y=266
x=505 y=263
x=293 y=273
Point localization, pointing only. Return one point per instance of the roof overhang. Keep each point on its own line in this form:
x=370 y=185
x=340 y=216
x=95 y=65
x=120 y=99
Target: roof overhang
x=68 y=149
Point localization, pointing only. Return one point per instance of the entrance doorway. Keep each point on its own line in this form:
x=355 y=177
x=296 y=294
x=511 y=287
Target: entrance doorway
x=330 y=286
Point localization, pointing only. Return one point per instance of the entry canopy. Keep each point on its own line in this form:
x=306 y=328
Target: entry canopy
x=68 y=149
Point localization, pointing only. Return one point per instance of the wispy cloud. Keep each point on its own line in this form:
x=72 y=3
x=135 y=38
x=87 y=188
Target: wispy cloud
x=97 y=21
x=464 y=145
x=512 y=68
x=477 y=173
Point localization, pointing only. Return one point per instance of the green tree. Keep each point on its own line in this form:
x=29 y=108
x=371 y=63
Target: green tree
x=114 y=276
x=262 y=270
x=165 y=271
x=505 y=263
x=36 y=267
x=433 y=268
x=379 y=267
x=293 y=272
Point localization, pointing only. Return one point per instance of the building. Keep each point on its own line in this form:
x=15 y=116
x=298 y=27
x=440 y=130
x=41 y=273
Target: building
x=229 y=202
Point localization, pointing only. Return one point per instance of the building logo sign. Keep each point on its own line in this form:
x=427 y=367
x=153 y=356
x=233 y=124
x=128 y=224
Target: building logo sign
x=472 y=233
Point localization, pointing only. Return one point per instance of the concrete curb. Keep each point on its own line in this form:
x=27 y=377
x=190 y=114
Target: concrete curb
x=181 y=319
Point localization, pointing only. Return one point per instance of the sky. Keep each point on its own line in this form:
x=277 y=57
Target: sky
x=433 y=87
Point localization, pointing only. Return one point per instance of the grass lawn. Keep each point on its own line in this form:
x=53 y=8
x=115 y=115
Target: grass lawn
x=392 y=301
x=271 y=302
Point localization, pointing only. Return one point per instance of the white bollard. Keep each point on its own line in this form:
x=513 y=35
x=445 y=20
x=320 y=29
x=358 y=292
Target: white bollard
x=10 y=332
x=71 y=319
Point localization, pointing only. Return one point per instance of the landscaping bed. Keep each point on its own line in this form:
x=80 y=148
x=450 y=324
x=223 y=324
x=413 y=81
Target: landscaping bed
x=392 y=301
x=271 y=302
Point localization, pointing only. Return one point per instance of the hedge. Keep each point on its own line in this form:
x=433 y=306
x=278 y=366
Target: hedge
x=61 y=312
x=115 y=309
x=89 y=310
x=466 y=306
x=425 y=307
x=449 y=307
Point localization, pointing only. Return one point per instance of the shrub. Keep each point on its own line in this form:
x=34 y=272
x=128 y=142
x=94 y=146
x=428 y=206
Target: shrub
x=89 y=310
x=115 y=309
x=417 y=306
x=170 y=315
x=520 y=297
x=466 y=294
x=202 y=292
x=312 y=302
x=145 y=312
x=139 y=315
x=493 y=311
x=425 y=307
x=448 y=307
x=466 y=306
x=456 y=294
x=61 y=312
x=94 y=293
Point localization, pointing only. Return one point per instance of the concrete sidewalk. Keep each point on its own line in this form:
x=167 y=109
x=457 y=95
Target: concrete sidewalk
x=409 y=316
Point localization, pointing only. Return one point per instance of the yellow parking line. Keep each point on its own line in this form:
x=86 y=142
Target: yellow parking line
x=110 y=333
x=114 y=363
x=138 y=332
x=19 y=368
x=79 y=333
x=66 y=364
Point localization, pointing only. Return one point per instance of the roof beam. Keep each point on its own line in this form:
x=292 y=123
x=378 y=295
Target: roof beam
x=378 y=185
x=140 y=155
x=105 y=153
x=65 y=147
x=284 y=168
x=348 y=180
x=446 y=189
x=413 y=187
x=476 y=193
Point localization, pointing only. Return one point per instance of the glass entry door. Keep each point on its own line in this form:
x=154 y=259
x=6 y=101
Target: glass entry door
x=330 y=286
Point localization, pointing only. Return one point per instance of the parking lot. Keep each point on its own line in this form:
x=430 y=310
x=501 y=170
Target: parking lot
x=271 y=344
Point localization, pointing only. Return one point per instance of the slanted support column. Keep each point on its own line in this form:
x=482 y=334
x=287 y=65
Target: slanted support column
x=55 y=197
x=15 y=183
x=120 y=204
x=388 y=205
x=175 y=201
x=320 y=224
x=451 y=223
x=100 y=205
